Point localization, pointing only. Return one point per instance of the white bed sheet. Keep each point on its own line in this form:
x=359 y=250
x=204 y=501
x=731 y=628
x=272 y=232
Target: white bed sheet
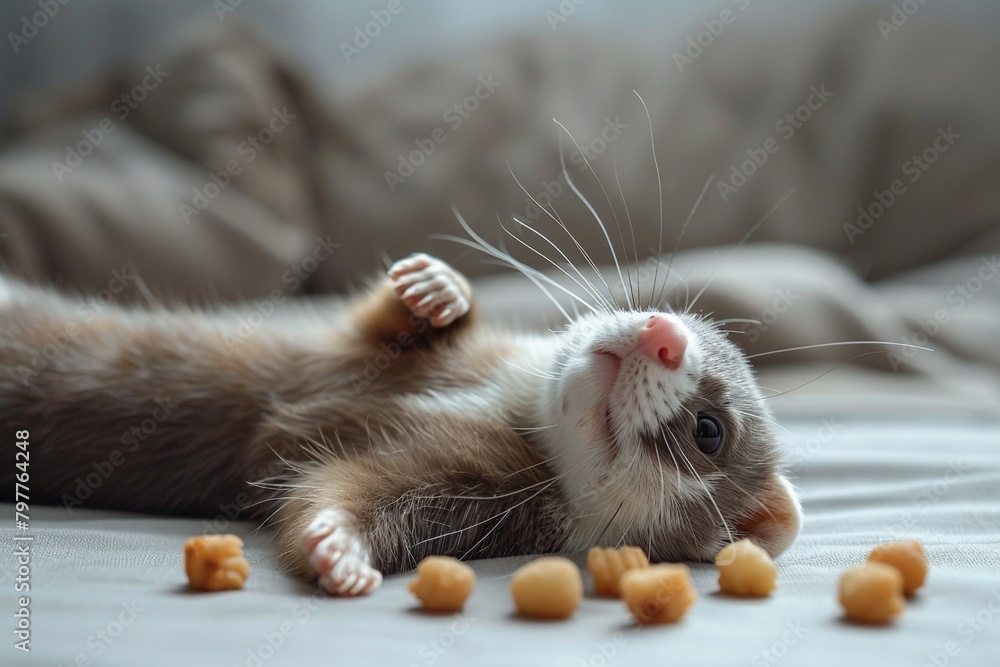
x=108 y=588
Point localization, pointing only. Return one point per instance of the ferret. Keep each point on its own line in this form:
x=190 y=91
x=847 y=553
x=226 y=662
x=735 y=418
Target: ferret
x=397 y=426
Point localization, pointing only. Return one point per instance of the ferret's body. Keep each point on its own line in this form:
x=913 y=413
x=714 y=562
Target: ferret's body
x=388 y=429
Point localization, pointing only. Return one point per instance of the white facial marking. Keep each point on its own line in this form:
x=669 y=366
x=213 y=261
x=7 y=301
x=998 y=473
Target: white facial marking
x=609 y=391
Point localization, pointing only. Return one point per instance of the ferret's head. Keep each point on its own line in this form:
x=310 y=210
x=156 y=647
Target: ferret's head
x=662 y=438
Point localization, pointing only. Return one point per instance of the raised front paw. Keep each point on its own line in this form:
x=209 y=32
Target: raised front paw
x=431 y=289
x=338 y=555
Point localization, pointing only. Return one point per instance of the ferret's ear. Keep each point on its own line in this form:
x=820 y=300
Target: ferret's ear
x=776 y=527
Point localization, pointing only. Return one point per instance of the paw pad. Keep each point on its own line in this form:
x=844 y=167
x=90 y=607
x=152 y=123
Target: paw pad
x=337 y=554
x=431 y=289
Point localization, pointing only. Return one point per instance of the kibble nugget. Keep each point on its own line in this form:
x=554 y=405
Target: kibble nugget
x=608 y=565
x=907 y=556
x=746 y=569
x=215 y=562
x=442 y=583
x=659 y=593
x=872 y=593
x=547 y=588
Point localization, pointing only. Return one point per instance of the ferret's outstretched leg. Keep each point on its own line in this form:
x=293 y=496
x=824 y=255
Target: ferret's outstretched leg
x=422 y=298
x=450 y=491
x=436 y=488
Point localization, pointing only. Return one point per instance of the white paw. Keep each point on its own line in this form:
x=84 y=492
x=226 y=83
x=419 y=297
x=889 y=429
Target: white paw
x=337 y=554
x=430 y=288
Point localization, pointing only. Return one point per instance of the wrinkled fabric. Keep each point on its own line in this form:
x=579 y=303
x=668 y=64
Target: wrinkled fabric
x=861 y=483
x=864 y=166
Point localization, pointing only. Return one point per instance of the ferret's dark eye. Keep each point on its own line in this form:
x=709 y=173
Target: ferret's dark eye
x=708 y=434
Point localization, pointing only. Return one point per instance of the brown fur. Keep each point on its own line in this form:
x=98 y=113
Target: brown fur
x=422 y=434
x=296 y=410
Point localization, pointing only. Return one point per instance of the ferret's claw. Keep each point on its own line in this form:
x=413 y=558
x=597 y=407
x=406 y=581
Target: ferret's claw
x=337 y=554
x=431 y=289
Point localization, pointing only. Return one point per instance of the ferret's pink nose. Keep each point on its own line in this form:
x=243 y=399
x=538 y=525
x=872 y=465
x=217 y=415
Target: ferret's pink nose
x=662 y=339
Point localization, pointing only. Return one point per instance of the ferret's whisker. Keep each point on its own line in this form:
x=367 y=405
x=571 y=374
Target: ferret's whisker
x=590 y=207
x=533 y=429
x=659 y=467
x=684 y=281
x=738 y=320
x=708 y=492
x=762 y=418
x=537 y=283
x=479 y=523
x=631 y=227
x=588 y=288
x=840 y=344
x=684 y=227
x=492 y=497
x=268 y=521
x=755 y=499
x=531 y=274
x=536 y=372
x=821 y=375
x=579 y=247
x=610 y=521
x=554 y=214
x=670 y=450
x=659 y=185
x=739 y=245
x=481 y=244
x=535 y=465
x=628 y=299
x=624 y=536
x=536 y=277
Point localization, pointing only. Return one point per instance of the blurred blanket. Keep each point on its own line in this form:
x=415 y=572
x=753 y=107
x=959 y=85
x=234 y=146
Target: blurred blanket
x=864 y=162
